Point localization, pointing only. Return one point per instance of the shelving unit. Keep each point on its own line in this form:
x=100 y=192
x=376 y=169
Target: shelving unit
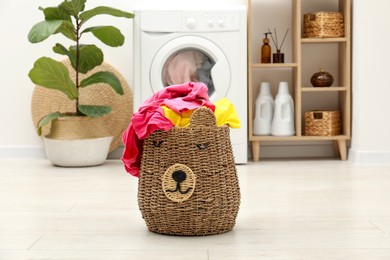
x=341 y=90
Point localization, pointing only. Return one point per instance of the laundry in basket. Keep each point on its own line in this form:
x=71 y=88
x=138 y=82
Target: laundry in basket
x=188 y=183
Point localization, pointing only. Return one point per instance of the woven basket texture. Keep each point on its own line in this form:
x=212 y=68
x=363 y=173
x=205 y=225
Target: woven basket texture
x=322 y=123
x=78 y=127
x=203 y=152
x=46 y=101
x=323 y=25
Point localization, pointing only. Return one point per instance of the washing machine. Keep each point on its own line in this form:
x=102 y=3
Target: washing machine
x=207 y=45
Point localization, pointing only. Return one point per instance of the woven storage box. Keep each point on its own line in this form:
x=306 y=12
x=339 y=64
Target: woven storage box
x=188 y=182
x=322 y=123
x=323 y=25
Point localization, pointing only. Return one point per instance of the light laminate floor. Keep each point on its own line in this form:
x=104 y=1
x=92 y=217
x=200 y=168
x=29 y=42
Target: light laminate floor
x=325 y=209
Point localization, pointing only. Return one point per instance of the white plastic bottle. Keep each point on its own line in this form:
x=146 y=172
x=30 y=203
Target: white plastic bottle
x=283 y=121
x=264 y=111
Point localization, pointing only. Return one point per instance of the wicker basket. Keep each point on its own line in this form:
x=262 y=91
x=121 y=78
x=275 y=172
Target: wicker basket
x=322 y=123
x=78 y=127
x=323 y=25
x=188 y=182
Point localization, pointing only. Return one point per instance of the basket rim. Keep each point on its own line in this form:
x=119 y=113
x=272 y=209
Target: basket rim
x=326 y=111
x=324 y=12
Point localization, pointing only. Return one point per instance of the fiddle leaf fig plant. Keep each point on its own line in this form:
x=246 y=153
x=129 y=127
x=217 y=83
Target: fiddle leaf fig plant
x=70 y=19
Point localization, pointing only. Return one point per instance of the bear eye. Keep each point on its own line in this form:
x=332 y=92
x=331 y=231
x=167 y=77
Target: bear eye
x=202 y=146
x=157 y=143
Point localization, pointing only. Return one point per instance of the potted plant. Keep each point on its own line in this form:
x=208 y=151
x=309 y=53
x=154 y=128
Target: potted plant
x=70 y=19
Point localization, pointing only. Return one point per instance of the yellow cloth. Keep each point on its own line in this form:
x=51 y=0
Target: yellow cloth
x=225 y=113
x=179 y=120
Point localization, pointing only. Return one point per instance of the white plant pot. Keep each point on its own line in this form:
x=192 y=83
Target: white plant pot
x=77 y=153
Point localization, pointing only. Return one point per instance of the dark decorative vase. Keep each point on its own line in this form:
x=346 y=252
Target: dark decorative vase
x=322 y=79
x=278 y=57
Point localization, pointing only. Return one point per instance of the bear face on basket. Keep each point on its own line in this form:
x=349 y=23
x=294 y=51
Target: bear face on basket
x=188 y=182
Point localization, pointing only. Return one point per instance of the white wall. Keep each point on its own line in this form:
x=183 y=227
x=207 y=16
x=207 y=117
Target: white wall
x=371 y=84
x=371 y=88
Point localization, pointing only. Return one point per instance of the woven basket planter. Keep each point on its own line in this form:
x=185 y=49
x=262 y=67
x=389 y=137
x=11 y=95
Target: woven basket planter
x=322 y=123
x=78 y=127
x=323 y=25
x=46 y=101
x=77 y=141
x=188 y=182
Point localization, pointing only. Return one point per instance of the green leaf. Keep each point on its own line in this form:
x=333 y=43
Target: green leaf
x=56 y=13
x=54 y=75
x=85 y=16
x=68 y=30
x=73 y=7
x=46 y=120
x=60 y=49
x=42 y=30
x=94 y=111
x=108 y=35
x=104 y=77
x=90 y=57
x=53 y=17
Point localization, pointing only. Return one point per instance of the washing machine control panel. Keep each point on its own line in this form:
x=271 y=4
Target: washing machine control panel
x=205 y=21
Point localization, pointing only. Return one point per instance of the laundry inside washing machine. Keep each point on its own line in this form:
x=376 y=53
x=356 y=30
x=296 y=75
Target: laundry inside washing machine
x=188 y=64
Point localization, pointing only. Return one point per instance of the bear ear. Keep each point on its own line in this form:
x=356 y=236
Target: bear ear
x=203 y=116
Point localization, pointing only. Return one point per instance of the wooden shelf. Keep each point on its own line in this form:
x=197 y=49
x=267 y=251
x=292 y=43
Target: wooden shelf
x=274 y=65
x=323 y=40
x=324 y=89
x=298 y=138
x=302 y=58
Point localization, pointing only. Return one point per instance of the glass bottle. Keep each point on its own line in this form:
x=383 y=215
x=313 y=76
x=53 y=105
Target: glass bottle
x=266 y=50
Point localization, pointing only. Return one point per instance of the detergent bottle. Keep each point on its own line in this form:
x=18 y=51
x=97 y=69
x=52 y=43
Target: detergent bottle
x=264 y=111
x=283 y=120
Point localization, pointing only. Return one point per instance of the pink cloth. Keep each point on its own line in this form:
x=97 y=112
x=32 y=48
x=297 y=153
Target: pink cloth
x=150 y=117
x=183 y=67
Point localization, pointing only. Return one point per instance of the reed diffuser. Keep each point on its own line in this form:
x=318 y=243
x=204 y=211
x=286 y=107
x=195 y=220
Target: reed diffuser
x=277 y=57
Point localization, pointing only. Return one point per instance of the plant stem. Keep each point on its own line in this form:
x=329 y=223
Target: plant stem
x=77 y=62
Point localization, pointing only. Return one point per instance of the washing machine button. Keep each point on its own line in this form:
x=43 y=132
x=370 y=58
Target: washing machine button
x=191 y=23
x=210 y=23
x=221 y=23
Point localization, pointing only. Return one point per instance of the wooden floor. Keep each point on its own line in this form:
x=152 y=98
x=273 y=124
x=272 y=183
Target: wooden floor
x=326 y=209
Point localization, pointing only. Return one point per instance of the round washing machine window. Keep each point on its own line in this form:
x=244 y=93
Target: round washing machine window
x=191 y=58
x=188 y=64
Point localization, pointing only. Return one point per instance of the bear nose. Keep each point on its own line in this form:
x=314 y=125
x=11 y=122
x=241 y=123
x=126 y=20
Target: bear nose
x=179 y=176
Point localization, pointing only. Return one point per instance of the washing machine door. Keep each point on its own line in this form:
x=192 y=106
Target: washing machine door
x=191 y=58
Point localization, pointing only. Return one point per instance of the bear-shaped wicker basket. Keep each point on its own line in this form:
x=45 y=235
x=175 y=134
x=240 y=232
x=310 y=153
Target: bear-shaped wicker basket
x=188 y=181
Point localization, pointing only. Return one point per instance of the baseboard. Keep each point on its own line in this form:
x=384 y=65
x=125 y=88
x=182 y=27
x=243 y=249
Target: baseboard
x=267 y=151
x=368 y=157
x=35 y=152
x=38 y=152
